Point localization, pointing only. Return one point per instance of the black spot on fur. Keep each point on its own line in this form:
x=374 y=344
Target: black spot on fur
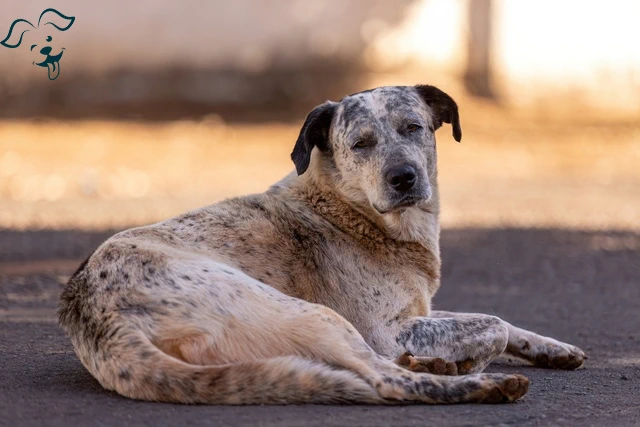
x=298 y=236
x=103 y=274
x=136 y=309
x=257 y=205
x=351 y=110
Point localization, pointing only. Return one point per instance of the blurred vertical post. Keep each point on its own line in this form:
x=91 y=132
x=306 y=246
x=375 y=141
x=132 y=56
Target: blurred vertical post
x=477 y=77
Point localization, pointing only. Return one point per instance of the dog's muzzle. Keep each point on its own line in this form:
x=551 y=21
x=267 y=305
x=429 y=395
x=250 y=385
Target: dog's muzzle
x=401 y=178
x=405 y=189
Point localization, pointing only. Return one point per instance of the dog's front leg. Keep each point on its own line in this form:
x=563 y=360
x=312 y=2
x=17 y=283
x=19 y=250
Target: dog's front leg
x=472 y=342
x=536 y=349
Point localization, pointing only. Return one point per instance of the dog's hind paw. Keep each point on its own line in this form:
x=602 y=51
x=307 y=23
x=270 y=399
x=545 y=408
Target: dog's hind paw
x=431 y=365
x=501 y=388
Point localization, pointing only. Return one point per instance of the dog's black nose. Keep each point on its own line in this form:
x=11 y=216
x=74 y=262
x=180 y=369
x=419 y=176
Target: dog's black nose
x=45 y=50
x=401 y=178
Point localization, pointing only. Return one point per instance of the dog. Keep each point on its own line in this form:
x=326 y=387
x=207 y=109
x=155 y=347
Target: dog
x=316 y=291
x=48 y=19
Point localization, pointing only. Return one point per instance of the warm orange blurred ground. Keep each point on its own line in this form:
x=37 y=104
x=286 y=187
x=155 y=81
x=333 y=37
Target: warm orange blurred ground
x=506 y=172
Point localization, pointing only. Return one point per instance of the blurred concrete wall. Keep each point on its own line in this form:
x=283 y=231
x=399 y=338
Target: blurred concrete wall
x=543 y=54
x=219 y=51
x=172 y=57
x=246 y=34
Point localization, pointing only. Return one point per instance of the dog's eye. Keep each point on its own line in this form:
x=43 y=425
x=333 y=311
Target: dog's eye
x=413 y=127
x=361 y=144
x=49 y=38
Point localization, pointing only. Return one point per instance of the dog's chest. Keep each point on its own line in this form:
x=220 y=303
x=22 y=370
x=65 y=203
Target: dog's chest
x=371 y=291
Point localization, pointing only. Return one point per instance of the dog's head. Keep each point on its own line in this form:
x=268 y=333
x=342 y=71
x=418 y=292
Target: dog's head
x=378 y=146
x=47 y=53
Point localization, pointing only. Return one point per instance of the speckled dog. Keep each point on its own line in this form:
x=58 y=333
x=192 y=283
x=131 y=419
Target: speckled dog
x=317 y=291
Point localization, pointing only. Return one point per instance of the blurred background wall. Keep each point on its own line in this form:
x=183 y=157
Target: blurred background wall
x=165 y=106
x=125 y=57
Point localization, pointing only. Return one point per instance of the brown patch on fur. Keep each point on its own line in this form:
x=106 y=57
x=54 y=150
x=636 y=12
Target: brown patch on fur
x=370 y=235
x=465 y=367
x=431 y=365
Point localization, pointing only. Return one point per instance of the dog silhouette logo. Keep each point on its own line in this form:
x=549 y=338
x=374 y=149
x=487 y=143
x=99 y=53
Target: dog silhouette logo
x=49 y=20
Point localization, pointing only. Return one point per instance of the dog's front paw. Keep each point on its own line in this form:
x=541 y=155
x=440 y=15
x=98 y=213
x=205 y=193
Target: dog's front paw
x=558 y=355
x=545 y=352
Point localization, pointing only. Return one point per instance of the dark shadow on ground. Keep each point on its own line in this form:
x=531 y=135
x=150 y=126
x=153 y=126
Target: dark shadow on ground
x=579 y=286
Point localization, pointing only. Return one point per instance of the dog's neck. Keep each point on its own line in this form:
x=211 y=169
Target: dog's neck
x=416 y=225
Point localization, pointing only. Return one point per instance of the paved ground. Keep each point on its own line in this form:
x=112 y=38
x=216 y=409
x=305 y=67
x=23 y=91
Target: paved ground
x=582 y=287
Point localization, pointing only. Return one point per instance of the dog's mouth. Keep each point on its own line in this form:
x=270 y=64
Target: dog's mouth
x=403 y=203
x=52 y=63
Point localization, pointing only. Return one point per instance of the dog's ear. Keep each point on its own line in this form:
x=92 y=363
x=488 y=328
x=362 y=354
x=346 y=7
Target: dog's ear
x=314 y=133
x=16 y=31
x=54 y=18
x=445 y=109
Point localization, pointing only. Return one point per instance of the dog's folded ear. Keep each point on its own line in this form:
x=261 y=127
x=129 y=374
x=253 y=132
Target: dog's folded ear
x=314 y=133
x=16 y=31
x=56 y=19
x=444 y=108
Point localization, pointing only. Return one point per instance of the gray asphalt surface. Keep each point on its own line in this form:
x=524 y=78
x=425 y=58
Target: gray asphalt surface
x=579 y=287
